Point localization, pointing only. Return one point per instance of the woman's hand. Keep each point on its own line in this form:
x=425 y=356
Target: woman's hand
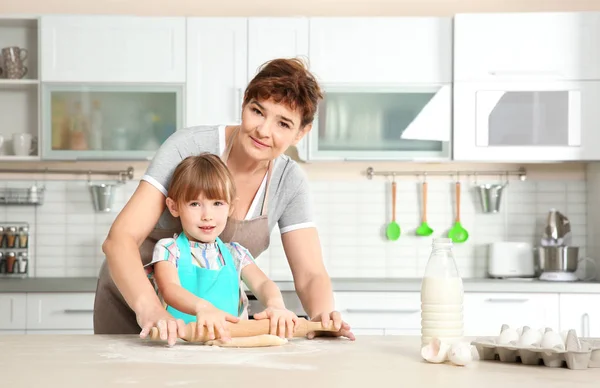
x=343 y=329
x=215 y=321
x=168 y=327
x=283 y=321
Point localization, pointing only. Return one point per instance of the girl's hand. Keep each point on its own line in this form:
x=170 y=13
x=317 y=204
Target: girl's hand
x=283 y=321
x=215 y=321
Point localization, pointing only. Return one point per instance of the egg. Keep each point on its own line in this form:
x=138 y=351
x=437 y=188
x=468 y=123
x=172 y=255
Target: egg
x=460 y=353
x=435 y=352
x=507 y=336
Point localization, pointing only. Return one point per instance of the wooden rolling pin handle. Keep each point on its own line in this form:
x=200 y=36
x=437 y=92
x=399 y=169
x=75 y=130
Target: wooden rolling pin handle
x=247 y=328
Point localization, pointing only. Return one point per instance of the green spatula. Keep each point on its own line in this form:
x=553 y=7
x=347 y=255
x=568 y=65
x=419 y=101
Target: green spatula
x=457 y=233
x=393 y=229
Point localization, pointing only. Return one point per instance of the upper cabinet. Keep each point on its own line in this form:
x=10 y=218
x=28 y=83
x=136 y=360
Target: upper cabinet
x=217 y=68
x=270 y=38
x=383 y=51
x=525 y=46
x=82 y=48
x=387 y=88
x=527 y=87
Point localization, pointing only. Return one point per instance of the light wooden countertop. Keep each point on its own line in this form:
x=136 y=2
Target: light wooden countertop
x=371 y=361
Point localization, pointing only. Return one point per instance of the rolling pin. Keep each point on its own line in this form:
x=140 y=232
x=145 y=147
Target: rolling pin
x=247 y=328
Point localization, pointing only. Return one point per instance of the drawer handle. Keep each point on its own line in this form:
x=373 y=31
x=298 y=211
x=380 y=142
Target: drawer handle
x=78 y=311
x=375 y=311
x=507 y=300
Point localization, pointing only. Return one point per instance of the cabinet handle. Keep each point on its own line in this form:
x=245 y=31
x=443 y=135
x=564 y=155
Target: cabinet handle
x=238 y=105
x=78 y=311
x=506 y=300
x=525 y=72
x=12 y=309
x=375 y=311
x=585 y=323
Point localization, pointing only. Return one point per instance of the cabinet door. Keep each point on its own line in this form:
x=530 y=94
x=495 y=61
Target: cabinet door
x=217 y=66
x=60 y=311
x=270 y=38
x=380 y=310
x=528 y=121
x=382 y=50
x=517 y=46
x=113 y=49
x=485 y=313
x=582 y=313
x=13 y=311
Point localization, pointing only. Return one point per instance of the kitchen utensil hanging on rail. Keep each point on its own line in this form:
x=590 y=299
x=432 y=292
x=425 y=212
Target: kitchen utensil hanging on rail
x=424 y=229
x=458 y=233
x=393 y=229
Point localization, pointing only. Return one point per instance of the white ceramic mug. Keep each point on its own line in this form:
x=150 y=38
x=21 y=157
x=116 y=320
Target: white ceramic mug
x=22 y=144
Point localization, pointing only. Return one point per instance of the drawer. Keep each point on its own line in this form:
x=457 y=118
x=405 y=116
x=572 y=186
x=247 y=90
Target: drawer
x=13 y=311
x=380 y=310
x=485 y=313
x=60 y=311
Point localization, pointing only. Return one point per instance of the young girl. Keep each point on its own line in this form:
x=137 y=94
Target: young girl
x=197 y=276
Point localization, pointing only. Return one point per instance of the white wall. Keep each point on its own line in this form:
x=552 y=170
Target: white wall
x=351 y=215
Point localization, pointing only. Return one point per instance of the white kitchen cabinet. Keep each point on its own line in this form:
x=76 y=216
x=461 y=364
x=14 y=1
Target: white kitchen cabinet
x=526 y=46
x=387 y=88
x=380 y=310
x=381 y=50
x=275 y=37
x=217 y=70
x=13 y=311
x=526 y=121
x=485 y=313
x=60 y=311
x=95 y=48
x=582 y=313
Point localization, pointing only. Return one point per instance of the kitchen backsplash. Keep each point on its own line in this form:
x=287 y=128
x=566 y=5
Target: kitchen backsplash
x=66 y=233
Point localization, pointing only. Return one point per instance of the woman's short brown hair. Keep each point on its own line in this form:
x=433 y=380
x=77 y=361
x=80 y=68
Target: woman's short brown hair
x=286 y=81
x=203 y=174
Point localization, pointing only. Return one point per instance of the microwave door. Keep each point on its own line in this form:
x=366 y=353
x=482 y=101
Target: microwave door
x=430 y=123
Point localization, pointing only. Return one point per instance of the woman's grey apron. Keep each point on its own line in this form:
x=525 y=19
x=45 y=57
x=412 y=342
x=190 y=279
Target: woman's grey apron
x=112 y=315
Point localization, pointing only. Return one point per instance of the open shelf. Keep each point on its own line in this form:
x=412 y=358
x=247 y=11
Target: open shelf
x=22 y=33
x=17 y=82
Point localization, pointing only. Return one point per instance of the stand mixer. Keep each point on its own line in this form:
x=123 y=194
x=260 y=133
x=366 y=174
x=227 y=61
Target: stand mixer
x=556 y=259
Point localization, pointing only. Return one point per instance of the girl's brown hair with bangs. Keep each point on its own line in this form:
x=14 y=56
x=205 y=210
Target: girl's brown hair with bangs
x=289 y=82
x=203 y=174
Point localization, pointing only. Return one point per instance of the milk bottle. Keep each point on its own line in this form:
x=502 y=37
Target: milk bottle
x=441 y=296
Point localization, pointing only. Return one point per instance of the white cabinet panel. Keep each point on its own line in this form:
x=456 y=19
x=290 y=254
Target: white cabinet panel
x=582 y=313
x=217 y=68
x=59 y=332
x=358 y=332
x=83 y=48
x=61 y=311
x=485 y=313
x=379 y=310
x=270 y=38
x=517 y=46
x=13 y=311
x=12 y=332
x=408 y=332
x=382 y=50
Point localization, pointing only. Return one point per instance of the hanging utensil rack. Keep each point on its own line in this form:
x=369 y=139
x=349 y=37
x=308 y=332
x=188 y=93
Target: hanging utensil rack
x=521 y=173
x=123 y=175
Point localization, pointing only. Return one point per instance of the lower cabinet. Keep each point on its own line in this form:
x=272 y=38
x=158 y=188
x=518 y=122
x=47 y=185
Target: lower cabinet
x=47 y=313
x=581 y=312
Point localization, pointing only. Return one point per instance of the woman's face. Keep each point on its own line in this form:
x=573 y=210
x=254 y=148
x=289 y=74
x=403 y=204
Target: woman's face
x=269 y=128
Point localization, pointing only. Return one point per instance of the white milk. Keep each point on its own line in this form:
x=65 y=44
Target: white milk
x=441 y=309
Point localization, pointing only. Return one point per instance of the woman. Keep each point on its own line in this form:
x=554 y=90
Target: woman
x=278 y=109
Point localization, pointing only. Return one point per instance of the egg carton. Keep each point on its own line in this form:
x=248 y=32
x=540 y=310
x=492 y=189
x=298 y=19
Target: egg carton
x=550 y=350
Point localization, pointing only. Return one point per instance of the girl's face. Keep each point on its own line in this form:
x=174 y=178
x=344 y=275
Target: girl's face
x=202 y=219
x=269 y=129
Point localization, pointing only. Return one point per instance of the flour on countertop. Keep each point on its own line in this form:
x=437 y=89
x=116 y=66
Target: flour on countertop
x=193 y=354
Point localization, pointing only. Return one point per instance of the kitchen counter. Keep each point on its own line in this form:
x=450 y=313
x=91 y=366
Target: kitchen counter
x=126 y=361
x=72 y=284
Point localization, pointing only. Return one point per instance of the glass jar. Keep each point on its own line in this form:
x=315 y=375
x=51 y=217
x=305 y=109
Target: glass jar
x=11 y=261
x=11 y=237
x=23 y=237
x=2 y=237
x=441 y=296
x=23 y=262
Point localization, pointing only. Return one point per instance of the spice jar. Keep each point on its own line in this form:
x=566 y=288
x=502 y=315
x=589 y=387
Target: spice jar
x=11 y=260
x=11 y=237
x=2 y=237
x=23 y=237
x=2 y=263
x=22 y=263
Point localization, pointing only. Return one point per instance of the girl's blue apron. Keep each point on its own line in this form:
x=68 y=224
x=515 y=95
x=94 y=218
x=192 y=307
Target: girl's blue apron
x=219 y=287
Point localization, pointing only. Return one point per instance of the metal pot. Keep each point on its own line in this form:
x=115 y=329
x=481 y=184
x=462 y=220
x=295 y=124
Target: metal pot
x=490 y=197
x=556 y=259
